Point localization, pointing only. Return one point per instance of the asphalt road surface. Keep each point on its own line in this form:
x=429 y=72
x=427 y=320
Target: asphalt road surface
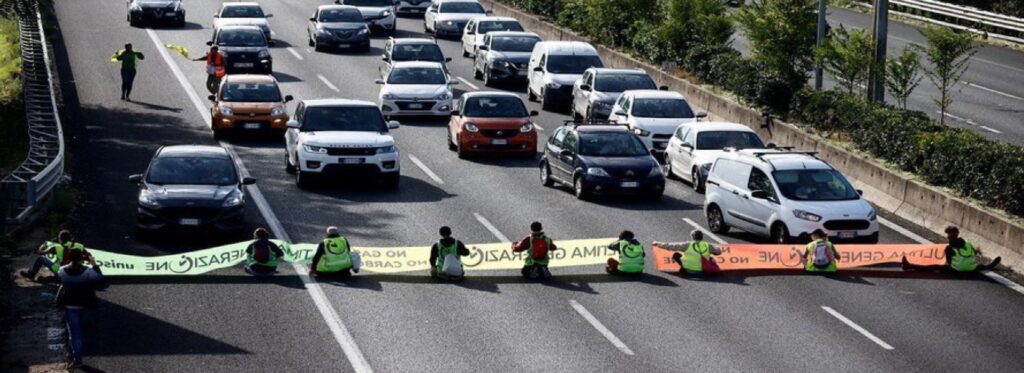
x=990 y=99
x=584 y=320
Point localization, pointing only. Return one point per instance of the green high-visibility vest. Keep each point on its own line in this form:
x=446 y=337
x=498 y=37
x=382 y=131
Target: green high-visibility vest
x=529 y=252
x=631 y=257
x=964 y=258
x=336 y=255
x=444 y=251
x=809 y=252
x=61 y=252
x=695 y=251
x=271 y=262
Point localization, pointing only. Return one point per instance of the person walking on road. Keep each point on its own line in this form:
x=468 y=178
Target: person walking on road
x=333 y=257
x=695 y=257
x=214 y=68
x=538 y=247
x=77 y=294
x=444 y=257
x=820 y=255
x=64 y=245
x=262 y=254
x=631 y=255
x=961 y=256
x=129 y=59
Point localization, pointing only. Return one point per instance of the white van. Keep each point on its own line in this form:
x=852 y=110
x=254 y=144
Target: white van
x=785 y=195
x=555 y=66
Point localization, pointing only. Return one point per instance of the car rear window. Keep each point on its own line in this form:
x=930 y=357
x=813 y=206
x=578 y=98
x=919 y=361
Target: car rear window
x=417 y=75
x=344 y=118
x=572 y=64
x=488 y=26
x=708 y=140
x=494 y=107
x=611 y=144
x=340 y=15
x=242 y=12
x=417 y=52
x=814 y=185
x=251 y=92
x=242 y=38
x=623 y=82
x=192 y=171
x=514 y=43
x=662 y=108
x=461 y=7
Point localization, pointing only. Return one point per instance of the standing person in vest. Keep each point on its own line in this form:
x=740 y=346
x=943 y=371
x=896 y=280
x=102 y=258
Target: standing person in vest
x=129 y=59
x=961 y=256
x=214 y=68
x=820 y=255
x=262 y=254
x=333 y=256
x=694 y=253
x=59 y=250
x=631 y=255
x=447 y=250
x=538 y=247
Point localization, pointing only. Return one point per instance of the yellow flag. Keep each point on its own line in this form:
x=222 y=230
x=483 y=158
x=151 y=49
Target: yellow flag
x=113 y=57
x=177 y=48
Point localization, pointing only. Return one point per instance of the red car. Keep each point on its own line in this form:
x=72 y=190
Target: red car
x=492 y=122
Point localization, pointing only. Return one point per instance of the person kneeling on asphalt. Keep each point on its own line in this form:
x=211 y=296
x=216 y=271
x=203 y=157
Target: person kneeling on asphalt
x=262 y=254
x=333 y=256
x=961 y=256
x=695 y=256
x=631 y=256
x=444 y=257
x=539 y=247
x=820 y=255
x=61 y=253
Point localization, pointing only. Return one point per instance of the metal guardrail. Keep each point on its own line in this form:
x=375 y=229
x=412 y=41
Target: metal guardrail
x=988 y=24
x=35 y=178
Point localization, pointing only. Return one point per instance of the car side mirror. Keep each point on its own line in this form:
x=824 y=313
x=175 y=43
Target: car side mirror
x=538 y=69
x=483 y=48
x=860 y=192
x=584 y=87
x=701 y=114
x=456 y=113
x=288 y=98
x=453 y=82
x=687 y=145
x=212 y=98
x=447 y=59
x=654 y=152
x=312 y=19
x=488 y=11
x=534 y=113
x=759 y=194
x=209 y=42
x=771 y=145
x=293 y=123
x=271 y=42
x=663 y=88
x=248 y=180
x=137 y=178
x=621 y=113
x=337 y=2
x=393 y=124
x=384 y=57
x=379 y=81
x=268 y=15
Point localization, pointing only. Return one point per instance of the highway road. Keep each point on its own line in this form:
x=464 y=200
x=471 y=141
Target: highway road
x=584 y=320
x=990 y=100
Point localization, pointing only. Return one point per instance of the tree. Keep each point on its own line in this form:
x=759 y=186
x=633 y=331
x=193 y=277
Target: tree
x=782 y=35
x=847 y=55
x=949 y=53
x=902 y=75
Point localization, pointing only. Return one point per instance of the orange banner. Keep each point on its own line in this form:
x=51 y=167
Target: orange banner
x=750 y=256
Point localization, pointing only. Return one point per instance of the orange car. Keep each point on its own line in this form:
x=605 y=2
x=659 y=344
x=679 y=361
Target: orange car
x=492 y=122
x=248 y=103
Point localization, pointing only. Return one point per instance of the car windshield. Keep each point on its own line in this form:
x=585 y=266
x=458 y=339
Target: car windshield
x=416 y=75
x=622 y=82
x=611 y=144
x=376 y=3
x=417 y=52
x=494 y=107
x=242 y=12
x=814 y=185
x=153 y=1
x=708 y=140
x=241 y=38
x=662 y=108
x=351 y=118
x=572 y=64
x=514 y=43
x=251 y=92
x=461 y=7
x=192 y=171
x=340 y=15
x=488 y=26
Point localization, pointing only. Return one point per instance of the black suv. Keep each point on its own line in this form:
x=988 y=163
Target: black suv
x=170 y=11
x=601 y=159
x=245 y=49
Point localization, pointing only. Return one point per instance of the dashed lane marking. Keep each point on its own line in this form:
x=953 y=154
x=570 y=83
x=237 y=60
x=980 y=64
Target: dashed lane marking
x=707 y=232
x=856 y=327
x=327 y=82
x=600 y=327
x=426 y=170
x=490 y=227
x=987 y=89
x=296 y=54
x=466 y=82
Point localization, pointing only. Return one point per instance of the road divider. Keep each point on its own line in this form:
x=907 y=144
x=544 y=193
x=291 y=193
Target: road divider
x=784 y=257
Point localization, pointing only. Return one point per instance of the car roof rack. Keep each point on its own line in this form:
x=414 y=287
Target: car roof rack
x=760 y=155
x=592 y=122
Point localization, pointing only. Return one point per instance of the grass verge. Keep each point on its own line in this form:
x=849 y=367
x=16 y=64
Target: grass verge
x=13 y=133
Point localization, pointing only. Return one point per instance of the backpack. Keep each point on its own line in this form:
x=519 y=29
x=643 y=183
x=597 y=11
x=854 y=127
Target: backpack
x=261 y=251
x=539 y=247
x=822 y=254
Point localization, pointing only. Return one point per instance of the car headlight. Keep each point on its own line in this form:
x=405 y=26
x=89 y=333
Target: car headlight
x=655 y=171
x=385 y=13
x=443 y=96
x=226 y=111
x=554 y=85
x=315 y=149
x=388 y=96
x=234 y=199
x=597 y=171
x=277 y=111
x=363 y=31
x=641 y=132
x=806 y=215
x=526 y=127
x=470 y=127
x=872 y=215
x=509 y=65
x=264 y=54
x=136 y=7
x=449 y=23
x=386 y=149
x=147 y=199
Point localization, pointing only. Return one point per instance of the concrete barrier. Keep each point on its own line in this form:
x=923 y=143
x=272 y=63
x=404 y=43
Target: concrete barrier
x=891 y=190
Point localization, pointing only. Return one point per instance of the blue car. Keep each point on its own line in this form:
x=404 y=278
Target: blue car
x=601 y=160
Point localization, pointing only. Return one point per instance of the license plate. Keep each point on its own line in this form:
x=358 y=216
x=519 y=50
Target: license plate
x=251 y=126
x=847 y=234
x=352 y=161
x=630 y=184
x=499 y=142
x=170 y=14
x=415 y=106
x=344 y=45
x=243 y=64
x=188 y=221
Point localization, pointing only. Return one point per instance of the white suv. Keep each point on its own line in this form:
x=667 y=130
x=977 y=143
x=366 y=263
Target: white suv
x=695 y=146
x=785 y=195
x=416 y=88
x=345 y=137
x=654 y=115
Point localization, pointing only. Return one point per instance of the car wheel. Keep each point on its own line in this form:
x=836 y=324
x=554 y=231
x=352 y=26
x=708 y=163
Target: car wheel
x=545 y=175
x=698 y=184
x=465 y=53
x=309 y=40
x=180 y=22
x=392 y=180
x=219 y=135
x=530 y=96
x=451 y=144
x=544 y=101
x=716 y=222
x=579 y=189
x=302 y=179
x=669 y=174
x=656 y=196
x=288 y=167
x=780 y=234
x=460 y=150
x=487 y=78
x=477 y=74
x=576 y=117
x=589 y=114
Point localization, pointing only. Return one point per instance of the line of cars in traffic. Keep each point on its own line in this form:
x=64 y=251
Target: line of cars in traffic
x=626 y=136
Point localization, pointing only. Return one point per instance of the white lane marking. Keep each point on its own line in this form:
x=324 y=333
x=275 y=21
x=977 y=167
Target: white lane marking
x=327 y=82
x=972 y=58
x=426 y=170
x=327 y=312
x=296 y=54
x=708 y=233
x=965 y=120
x=600 y=327
x=539 y=128
x=914 y=236
x=487 y=224
x=990 y=129
x=1001 y=93
x=856 y=327
x=466 y=82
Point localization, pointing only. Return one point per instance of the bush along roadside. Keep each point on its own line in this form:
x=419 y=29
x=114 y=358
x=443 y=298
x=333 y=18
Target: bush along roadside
x=13 y=133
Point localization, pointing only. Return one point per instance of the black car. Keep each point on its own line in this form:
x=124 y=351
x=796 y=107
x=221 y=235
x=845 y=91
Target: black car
x=504 y=56
x=191 y=188
x=411 y=49
x=601 y=159
x=338 y=27
x=170 y=11
x=245 y=49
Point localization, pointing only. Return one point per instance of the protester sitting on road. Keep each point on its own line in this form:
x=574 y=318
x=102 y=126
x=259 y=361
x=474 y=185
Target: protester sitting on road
x=444 y=257
x=539 y=247
x=65 y=243
x=333 y=256
x=961 y=256
x=77 y=294
x=631 y=255
x=262 y=254
x=695 y=256
x=820 y=255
